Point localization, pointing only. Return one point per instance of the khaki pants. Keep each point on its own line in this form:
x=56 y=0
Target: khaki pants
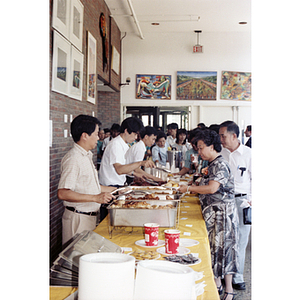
x=73 y=223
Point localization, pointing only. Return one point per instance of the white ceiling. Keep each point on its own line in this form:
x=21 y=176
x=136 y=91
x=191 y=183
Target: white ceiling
x=181 y=15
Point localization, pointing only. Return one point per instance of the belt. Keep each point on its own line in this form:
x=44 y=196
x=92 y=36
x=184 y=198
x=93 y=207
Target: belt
x=93 y=213
x=239 y=195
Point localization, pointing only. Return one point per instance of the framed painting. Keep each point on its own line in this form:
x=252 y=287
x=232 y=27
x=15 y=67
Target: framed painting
x=153 y=87
x=91 y=68
x=76 y=74
x=61 y=16
x=76 y=24
x=115 y=60
x=236 y=86
x=60 y=64
x=196 y=85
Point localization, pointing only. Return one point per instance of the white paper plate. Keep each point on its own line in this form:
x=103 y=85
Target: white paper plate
x=188 y=242
x=181 y=251
x=142 y=243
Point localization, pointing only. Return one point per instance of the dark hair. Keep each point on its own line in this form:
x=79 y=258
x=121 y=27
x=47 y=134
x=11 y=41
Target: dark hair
x=193 y=133
x=160 y=135
x=201 y=126
x=115 y=127
x=172 y=126
x=148 y=130
x=231 y=127
x=106 y=130
x=180 y=131
x=214 y=127
x=132 y=124
x=249 y=127
x=81 y=124
x=209 y=137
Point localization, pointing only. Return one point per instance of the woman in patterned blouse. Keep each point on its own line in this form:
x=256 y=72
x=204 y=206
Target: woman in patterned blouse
x=216 y=195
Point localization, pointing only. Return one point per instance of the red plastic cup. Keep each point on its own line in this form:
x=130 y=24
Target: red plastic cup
x=151 y=234
x=172 y=241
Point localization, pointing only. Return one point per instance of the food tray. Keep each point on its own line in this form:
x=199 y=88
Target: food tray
x=137 y=217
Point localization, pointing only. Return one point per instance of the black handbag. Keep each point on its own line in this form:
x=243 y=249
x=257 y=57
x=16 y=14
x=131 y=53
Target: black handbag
x=247 y=213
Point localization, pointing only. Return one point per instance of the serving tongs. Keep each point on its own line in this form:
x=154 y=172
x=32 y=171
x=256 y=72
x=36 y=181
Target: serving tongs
x=129 y=191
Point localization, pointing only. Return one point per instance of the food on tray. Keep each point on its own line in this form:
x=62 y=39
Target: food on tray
x=138 y=204
x=142 y=255
x=171 y=183
x=183 y=259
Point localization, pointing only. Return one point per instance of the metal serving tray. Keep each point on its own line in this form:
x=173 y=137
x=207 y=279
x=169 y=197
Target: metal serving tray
x=137 y=217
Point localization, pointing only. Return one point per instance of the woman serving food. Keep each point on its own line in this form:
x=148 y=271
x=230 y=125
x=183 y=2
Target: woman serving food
x=216 y=195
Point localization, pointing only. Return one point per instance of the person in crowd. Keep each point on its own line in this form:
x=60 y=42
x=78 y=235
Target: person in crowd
x=248 y=134
x=114 y=132
x=171 y=132
x=201 y=126
x=114 y=167
x=159 y=151
x=192 y=159
x=107 y=132
x=216 y=195
x=137 y=152
x=239 y=158
x=78 y=186
x=181 y=142
x=214 y=127
x=101 y=135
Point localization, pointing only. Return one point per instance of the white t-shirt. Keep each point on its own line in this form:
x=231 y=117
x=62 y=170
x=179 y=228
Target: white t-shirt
x=114 y=153
x=171 y=141
x=135 y=153
x=240 y=165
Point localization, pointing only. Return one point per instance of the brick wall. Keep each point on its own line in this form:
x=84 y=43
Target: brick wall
x=107 y=109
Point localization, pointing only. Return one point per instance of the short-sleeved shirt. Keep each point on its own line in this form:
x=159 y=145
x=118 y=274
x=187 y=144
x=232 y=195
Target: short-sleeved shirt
x=114 y=153
x=135 y=153
x=160 y=154
x=218 y=170
x=240 y=165
x=78 y=173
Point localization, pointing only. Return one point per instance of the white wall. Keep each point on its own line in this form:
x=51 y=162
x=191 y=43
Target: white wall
x=166 y=54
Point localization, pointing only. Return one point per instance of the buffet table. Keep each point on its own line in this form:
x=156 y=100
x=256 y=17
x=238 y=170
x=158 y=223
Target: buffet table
x=191 y=226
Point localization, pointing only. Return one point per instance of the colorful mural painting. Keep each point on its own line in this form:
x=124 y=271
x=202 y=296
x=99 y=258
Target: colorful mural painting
x=236 y=86
x=196 y=85
x=153 y=87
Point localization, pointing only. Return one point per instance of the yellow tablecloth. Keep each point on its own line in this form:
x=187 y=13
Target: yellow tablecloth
x=127 y=236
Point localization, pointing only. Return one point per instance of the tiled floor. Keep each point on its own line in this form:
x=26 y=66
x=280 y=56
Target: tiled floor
x=246 y=295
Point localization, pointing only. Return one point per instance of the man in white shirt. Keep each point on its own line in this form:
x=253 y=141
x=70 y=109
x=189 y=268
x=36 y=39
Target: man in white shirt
x=114 y=167
x=239 y=158
x=79 y=187
x=172 y=131
x=137 y=151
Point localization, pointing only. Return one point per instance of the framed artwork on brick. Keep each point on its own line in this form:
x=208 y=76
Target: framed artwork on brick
x=61 y=17
x=76 y=74
x=236 y=86
x=153 y=87
x=76 y=23
x=61 y=64
x=91 y=68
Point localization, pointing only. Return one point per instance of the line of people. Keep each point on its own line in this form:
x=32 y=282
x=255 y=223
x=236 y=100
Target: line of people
x=224 y=190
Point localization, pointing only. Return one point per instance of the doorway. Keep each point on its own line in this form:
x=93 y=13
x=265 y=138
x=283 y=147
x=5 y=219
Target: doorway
x=160 y=116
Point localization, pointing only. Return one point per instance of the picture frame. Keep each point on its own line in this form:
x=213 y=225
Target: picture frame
x=76 y=23
x=153 y=87
x=76 y=71
x=91 y=68
x=236 y=85
x=115 y=60
x=61 y=64
x=196 y=85
x=61 y=17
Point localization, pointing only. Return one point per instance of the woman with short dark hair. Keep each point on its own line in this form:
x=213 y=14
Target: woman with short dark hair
x=216 y=195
